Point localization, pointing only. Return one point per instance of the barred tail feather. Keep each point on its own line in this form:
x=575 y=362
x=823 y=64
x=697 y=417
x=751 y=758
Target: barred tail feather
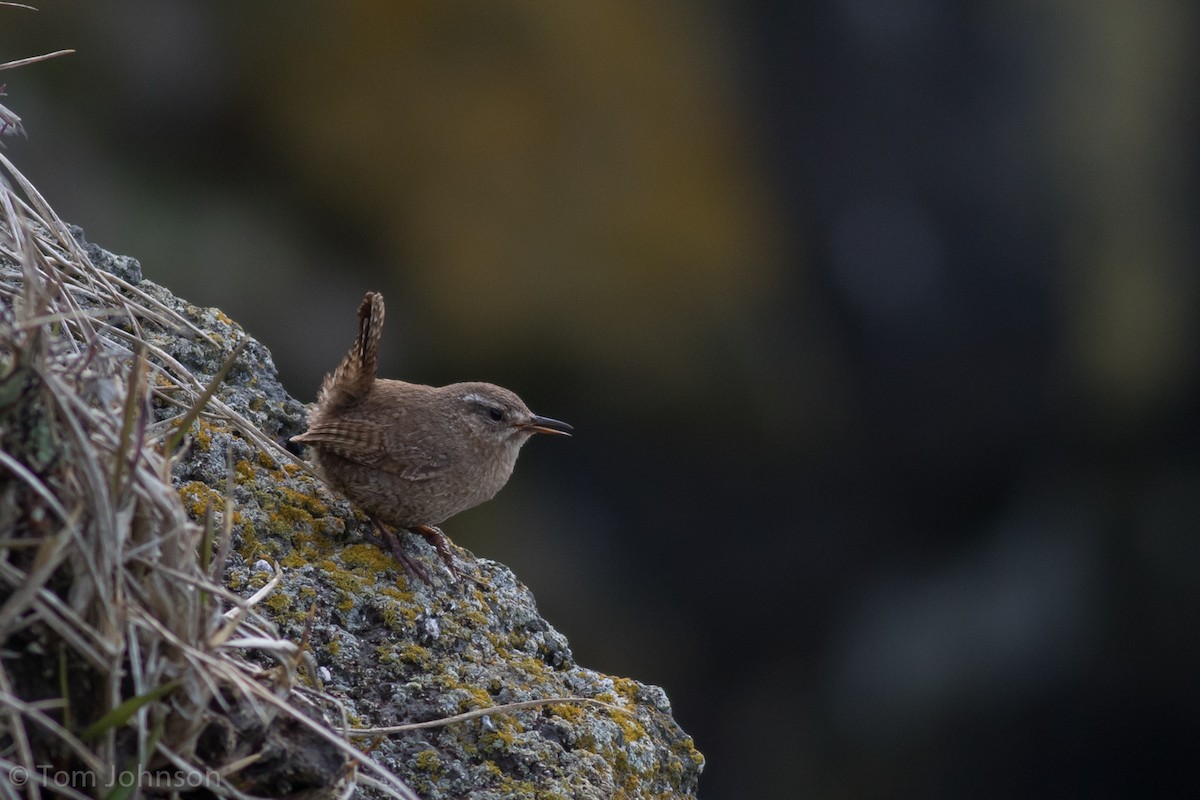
x=353 y=377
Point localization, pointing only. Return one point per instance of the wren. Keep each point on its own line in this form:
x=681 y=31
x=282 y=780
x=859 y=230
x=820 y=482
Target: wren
x=412 y=456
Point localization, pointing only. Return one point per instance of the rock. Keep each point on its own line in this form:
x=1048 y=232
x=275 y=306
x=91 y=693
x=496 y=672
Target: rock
x=392 y=649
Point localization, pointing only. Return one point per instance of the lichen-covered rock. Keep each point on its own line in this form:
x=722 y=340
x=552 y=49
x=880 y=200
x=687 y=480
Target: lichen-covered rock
x=394 y=649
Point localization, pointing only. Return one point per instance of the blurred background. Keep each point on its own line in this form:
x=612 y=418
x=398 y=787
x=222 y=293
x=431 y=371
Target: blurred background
x=877 y=320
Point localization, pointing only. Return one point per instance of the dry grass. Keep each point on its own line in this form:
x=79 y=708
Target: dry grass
x=120 y=650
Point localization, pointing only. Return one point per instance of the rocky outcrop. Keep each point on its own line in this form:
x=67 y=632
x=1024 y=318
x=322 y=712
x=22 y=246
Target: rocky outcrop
x=379 y=647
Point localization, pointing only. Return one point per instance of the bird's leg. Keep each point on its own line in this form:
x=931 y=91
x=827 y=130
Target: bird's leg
x=389 y=542
x=441 y=543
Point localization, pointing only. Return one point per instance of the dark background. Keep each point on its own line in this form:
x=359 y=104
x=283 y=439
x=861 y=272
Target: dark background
x=877 y=322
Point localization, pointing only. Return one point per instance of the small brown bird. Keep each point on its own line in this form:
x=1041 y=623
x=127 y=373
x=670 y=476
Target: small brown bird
x=409 y=455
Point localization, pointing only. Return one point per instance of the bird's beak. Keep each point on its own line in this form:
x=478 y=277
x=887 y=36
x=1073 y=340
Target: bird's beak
x=546 y=425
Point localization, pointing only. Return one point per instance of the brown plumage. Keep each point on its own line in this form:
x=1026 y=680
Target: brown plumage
x=410 y=455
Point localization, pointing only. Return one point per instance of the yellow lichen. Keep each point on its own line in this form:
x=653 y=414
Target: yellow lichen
x=477 y=697
x=250 y=546
x=278 y=603
x=292 y=560
x=429 y=761
x=571 y=713
x=343 y=579
x=535 y=668
x=627 y=688
x=500 y=740
x=630 y=727
x=397 y=594
x=305 y=501
x=514 y=788
x=198 y=497
x=366 y=556
x=244 y=471
x=257 y=579
x=386 y=653
x=287 y=519
x=203 y=436
x=414 y=654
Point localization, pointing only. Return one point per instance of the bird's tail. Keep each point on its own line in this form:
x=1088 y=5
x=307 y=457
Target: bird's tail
x=354 y=376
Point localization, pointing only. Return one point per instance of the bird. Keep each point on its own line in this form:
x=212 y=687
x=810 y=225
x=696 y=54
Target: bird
x=409 y=455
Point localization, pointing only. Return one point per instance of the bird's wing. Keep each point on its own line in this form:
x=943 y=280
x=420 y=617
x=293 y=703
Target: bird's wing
x=416 y=463
x=366 y=443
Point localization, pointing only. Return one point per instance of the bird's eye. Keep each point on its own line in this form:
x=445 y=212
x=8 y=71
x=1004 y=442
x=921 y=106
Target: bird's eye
x=496 y=414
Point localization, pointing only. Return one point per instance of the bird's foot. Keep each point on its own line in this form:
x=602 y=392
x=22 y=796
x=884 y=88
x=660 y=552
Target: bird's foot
x=441 y=543
x=386 y=540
